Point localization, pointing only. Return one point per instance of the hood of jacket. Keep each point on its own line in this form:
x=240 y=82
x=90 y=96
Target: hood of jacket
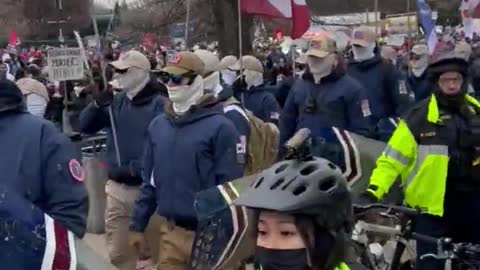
x=149 y=92
x=226 y=93
x=207 y=106
x=11 y=98
x=367 y=64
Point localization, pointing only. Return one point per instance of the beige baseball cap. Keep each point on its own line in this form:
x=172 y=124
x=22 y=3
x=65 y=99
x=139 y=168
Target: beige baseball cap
x=130 y=59
x=228 y=61
x=463 y=50
x=249 y=62
x=420 y=49
x=363 y=36
x=322 y=46
x=210 y=60
x=184 y=62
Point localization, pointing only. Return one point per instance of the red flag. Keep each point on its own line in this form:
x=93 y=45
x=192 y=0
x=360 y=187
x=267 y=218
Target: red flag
x=296 y=10
x=300 y=18
x=14 y=41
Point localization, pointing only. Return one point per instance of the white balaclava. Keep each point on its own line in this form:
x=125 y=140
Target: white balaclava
x=212 y=83
x=132 y=81
x=321 y=67
x=419 y=66
x=185 y=96
x=361 y=54
x=36 y=104
x=253 y=78
x=228 y=76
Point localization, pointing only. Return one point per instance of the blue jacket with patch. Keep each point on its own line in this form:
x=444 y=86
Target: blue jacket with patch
x=183 y=156
x=132 y=118
x=236 y=113
x=335 y=102
x=40 y=163
x=261 y=102
x=381 y=82
x=420 y=86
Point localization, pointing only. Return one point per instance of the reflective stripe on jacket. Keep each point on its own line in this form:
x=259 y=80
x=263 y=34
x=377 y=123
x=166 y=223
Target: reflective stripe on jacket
x=422 y=168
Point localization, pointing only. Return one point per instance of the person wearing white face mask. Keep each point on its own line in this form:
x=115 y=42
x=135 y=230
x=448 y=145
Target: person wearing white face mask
x=228 y=75
x=418 y=81
x=191 y=147
x=388 y=97
x=36 y=96
x=224 y=94
x=330 y=99
x=250 y=90
x=137 y=103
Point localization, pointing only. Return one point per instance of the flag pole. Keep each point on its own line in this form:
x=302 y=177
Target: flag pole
x=240 y=40
x=187 y=24
x=240 y=43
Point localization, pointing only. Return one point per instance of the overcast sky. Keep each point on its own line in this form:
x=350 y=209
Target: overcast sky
x=110 y=3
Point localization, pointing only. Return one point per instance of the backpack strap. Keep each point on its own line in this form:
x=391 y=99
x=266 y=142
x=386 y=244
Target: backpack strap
x=233 y=104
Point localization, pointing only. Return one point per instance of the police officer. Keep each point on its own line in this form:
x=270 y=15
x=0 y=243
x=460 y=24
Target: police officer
x=381 y=81
x=332 y=99
x=417 y=80
x=435 y=152
x=133 y=109
x=191 y=147
x=252 y=92
x=40 y=163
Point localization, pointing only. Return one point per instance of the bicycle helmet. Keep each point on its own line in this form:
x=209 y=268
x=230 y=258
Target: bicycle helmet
x=314 y=188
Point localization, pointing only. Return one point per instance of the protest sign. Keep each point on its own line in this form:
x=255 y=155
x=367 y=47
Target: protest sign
x=65 y=64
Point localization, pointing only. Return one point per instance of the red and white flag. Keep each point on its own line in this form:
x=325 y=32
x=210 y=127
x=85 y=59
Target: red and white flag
x=296 y=10
x=470 y=8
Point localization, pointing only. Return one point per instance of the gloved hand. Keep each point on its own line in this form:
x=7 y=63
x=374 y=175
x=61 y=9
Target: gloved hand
x=365 y=198
x=136 y=240
x=104 y=98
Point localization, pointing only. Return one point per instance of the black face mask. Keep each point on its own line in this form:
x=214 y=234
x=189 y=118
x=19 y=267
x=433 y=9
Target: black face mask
x=278 y=259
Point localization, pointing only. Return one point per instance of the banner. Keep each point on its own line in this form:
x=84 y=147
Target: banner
x=65 y=64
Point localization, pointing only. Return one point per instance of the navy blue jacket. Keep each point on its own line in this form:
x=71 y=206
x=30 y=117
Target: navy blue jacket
x=183 y=156
x=132 y=118
x=420 y=86
x=335 y=102
x=236 y=113
x=40 y=163
x=381 y=81
x=283 y=89
x=261 y=102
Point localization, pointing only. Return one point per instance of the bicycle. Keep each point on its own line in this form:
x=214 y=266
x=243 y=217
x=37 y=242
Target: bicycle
x=465 y=256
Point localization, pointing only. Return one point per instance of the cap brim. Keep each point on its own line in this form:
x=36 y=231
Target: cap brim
x=235 y=66
x=317 y=53
x=174 y=70
x=119 y=64
x=361 y=43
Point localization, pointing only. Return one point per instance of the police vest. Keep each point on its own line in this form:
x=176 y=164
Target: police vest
x=421 y=164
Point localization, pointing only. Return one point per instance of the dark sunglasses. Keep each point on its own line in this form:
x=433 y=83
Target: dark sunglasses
x=121 y=71
x=177 y=79
x=415 y=57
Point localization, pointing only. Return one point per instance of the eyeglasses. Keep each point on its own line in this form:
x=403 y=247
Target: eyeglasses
x=166 y=78
x=121 y=71
x=415 y=57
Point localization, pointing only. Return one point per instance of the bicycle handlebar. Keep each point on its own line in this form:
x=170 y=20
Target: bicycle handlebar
x=360 y=209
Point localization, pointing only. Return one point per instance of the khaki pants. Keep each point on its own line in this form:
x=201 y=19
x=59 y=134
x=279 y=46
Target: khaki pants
x=120 y=201
x=175 y=247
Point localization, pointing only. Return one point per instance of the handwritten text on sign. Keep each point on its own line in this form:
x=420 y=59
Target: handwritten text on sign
x=65 y=64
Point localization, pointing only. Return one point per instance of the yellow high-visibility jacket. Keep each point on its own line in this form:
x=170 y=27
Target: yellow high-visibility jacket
x=423 y=167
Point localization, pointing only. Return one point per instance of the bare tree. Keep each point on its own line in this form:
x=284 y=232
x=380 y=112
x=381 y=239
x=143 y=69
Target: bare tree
x=39 y=13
